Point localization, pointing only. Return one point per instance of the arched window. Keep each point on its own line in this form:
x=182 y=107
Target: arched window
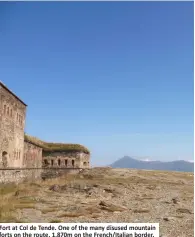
x=51 y=162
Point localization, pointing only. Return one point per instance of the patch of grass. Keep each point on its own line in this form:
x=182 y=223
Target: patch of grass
x=26 y=189
x=47 y=210
x=184 y=210
x=23 y=205
x=110 y=207
x=95 y=216
x=9 y=205
x=71 y=214
x=141 y=211
x=27 y=199
x=7 y=188
x=44 y=201
x=144 y=198
x=92 y=209
x=56 y=221
x=6 y=211
x=35 y=185
x=8 y=218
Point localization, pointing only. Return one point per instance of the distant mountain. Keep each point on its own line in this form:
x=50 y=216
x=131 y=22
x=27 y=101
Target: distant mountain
x=178 y=165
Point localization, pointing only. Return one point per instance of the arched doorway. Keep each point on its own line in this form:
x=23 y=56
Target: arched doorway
x=4 y=159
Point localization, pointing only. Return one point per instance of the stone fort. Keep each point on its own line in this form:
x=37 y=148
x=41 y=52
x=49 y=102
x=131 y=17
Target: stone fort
x=21 y=151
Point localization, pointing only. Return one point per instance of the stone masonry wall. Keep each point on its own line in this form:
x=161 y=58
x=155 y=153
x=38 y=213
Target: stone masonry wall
x=20 y=175
x=12 y=123
x=66 y=159
x=54 y=173
x=32 y=156
x=31 y=175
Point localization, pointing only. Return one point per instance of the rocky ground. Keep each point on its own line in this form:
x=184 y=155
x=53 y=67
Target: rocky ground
x=106 y=195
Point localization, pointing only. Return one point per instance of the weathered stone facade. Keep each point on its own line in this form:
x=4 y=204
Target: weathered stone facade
x=32 y=155
x=21 y=157
x=65 y=159
x=12 y=123
x=30 y=174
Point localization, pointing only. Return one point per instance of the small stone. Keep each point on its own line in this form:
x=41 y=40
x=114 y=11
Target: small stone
x=168 y=218
x=184 y=210
x=175 y=200
x=17 y=193
x=55 y=188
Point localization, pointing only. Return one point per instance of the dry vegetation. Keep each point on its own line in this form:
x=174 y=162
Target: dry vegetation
x=105 y=195
x=52 y=147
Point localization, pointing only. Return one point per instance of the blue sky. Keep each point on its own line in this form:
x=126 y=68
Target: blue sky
x=114 y=76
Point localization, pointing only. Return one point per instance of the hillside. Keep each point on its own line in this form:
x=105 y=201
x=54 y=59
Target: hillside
x=106 y=195
x=128 y=162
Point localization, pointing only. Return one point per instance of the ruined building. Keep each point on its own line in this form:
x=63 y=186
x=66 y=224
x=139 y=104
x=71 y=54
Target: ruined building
x=17 y=150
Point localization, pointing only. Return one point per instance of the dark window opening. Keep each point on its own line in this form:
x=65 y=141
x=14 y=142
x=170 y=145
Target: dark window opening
x=84 y=163
x=73 y=163
x=66 y=163
x=4 y=109
x=51 y=162
x=59 y=162
x=4 y=158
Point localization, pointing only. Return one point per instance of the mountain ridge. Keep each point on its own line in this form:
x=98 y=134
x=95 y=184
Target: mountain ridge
x=177 y=165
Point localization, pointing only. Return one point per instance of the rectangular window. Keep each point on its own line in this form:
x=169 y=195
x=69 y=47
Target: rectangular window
x=4 y=109
x=73 y=163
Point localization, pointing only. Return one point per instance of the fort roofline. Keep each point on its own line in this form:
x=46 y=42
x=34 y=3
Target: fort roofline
x=5 y=87
x=55 y=147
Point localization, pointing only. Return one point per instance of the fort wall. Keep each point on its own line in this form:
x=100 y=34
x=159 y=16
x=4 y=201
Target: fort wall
x=33 y=174
x=65 y=159
x=12 y=122
x=19 y=175
x=32 y=155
